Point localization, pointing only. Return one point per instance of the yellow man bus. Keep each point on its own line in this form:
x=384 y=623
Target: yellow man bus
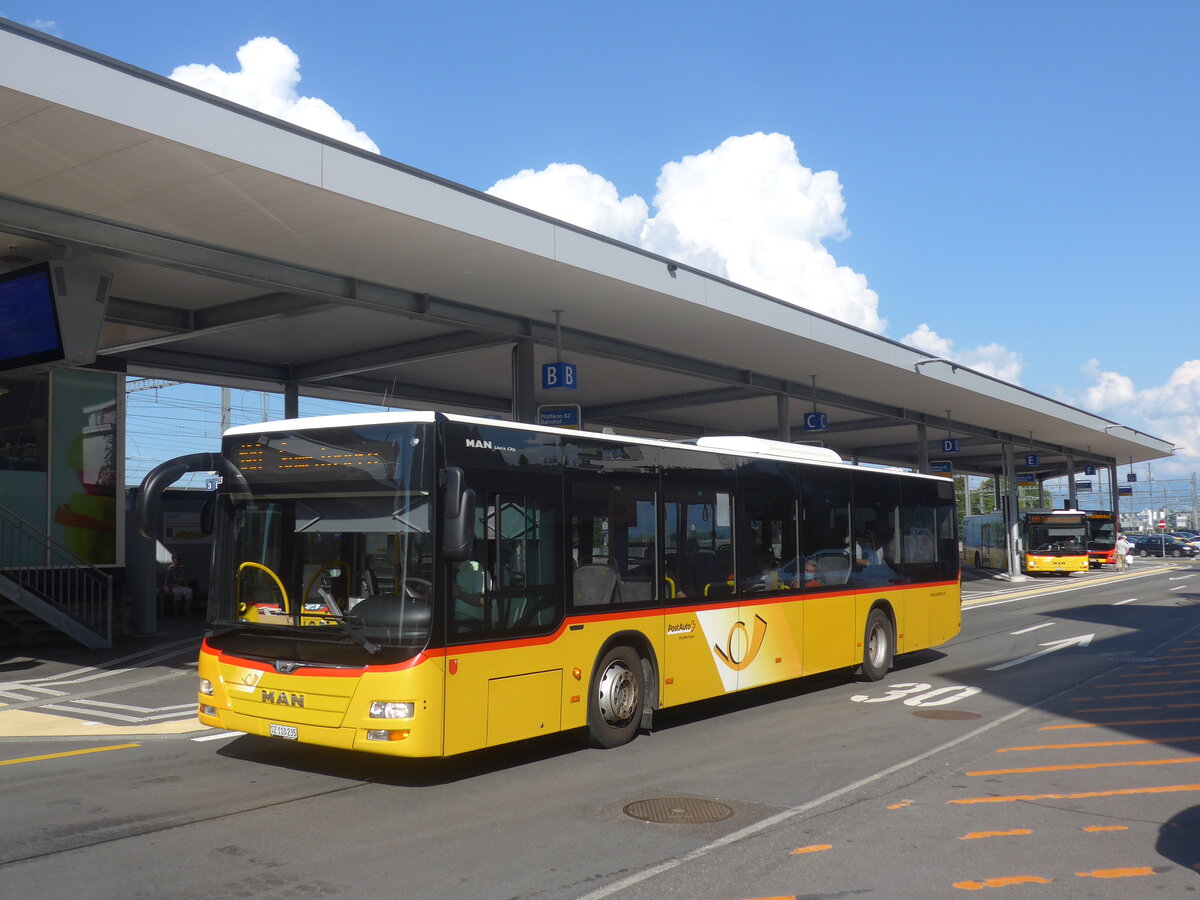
x=1053 y=541
x=420 y=584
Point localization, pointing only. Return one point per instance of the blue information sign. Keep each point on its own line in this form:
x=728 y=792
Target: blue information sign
x=950 y=445
x=567 y=416
x=941 y=467
x=1083 y=485
x=1124 y=491
x=1031 y=459
x=1131 y=477
x=559 y=376
x=1089 y=470
x=816 y=421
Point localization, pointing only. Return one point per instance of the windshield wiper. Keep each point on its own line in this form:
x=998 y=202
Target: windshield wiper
x=336 y=614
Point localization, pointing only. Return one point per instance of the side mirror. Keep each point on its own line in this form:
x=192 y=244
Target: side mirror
x=147 y=511
x=458 y=517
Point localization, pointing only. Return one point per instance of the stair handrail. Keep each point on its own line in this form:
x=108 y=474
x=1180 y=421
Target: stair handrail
x=50 y=550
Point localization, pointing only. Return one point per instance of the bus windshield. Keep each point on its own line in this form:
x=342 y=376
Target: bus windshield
x=1049 y=536
x=316 y=546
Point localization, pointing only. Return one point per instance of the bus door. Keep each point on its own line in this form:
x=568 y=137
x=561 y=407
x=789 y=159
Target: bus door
x=503 y=682
x=705 y=645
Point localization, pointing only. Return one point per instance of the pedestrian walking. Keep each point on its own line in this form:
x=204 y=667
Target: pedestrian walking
x=1122 y=556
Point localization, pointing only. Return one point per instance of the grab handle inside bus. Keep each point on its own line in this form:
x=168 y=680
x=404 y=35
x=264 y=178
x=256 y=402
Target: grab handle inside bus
x=458 y=518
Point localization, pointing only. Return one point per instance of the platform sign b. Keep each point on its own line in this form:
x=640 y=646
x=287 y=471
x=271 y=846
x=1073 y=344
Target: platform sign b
x=559 y=376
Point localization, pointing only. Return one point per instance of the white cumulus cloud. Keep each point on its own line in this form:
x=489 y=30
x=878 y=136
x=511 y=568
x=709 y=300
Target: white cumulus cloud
x=991 y=359
x=1170 y=411
x=266 y=81
x=747 y=210
x=1109 y=390
x=572 y=193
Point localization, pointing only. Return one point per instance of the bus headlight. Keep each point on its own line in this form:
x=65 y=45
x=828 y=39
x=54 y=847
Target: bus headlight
x=381 y=709
x=206 y=687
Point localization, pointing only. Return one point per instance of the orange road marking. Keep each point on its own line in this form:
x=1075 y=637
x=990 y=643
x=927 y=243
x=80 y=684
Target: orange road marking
x=1127 y=722
x=812 y=848
x=26 y=759
x=1079 y=766
x=1117 y=873
x=1094 y=828
x=1148 y=683
x=1180 y=740
x=901 y=804
x=1143 y=696
x=976 y=835
x=1083 y=795
x=1000 y=882
x=1117 y=709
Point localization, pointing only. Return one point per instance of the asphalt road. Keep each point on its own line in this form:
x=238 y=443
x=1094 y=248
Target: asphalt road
x=1050 y=749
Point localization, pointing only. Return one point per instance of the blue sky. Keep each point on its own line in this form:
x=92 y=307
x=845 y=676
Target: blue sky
x=1019 y=178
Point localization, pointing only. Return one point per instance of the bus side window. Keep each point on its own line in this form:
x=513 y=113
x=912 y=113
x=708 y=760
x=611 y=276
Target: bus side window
x=613 y=531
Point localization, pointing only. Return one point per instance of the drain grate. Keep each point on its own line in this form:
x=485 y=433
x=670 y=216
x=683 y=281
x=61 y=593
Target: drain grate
x=947 y=714
x=678 y=810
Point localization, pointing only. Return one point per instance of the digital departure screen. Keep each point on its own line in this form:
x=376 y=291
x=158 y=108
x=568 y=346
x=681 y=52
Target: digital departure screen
x=29 y=332
x=330 y=458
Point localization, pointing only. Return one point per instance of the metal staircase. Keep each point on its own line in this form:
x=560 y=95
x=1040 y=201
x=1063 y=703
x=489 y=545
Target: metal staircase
x=46 y=590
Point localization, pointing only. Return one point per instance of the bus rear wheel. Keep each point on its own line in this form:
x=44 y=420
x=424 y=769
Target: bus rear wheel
x=877 y=646
x=615 y=699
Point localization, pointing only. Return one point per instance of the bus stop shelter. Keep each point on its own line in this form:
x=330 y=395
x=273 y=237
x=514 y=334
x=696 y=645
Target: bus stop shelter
x=235 y=249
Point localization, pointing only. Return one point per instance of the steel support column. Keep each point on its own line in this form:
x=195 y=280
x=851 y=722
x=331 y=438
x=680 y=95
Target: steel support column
x=524 y=407
x=1012 y=516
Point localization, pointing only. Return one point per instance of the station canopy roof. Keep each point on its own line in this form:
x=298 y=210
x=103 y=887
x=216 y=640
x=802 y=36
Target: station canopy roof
x=252 y=253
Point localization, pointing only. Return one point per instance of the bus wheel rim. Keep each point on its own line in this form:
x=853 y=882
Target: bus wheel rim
x=617 y=694
x=877 y=645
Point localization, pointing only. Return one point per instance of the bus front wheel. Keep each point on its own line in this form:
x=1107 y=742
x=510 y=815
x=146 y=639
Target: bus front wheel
x=615 y=699
x=877 y=646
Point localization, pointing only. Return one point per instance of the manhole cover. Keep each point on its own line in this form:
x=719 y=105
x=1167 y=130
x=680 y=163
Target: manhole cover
x=947 y=714
x=678 y=810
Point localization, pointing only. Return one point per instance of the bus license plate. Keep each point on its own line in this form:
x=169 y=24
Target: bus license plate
x=283 y=731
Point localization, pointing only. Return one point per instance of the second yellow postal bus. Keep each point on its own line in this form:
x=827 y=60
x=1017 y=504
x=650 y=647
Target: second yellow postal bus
x=1053 y=541
x=419 y=584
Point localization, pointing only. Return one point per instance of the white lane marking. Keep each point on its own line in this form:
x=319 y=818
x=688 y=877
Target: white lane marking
x=1031 y=628
x=174 y=647
x=1123 y=602
x=218 y=736
x=1081 y=640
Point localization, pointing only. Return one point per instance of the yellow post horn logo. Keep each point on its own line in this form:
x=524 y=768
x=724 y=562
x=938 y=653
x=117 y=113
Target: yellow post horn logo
x=738 y=632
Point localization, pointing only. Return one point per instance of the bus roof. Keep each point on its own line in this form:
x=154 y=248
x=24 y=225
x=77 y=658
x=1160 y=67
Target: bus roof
x=739 y=445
